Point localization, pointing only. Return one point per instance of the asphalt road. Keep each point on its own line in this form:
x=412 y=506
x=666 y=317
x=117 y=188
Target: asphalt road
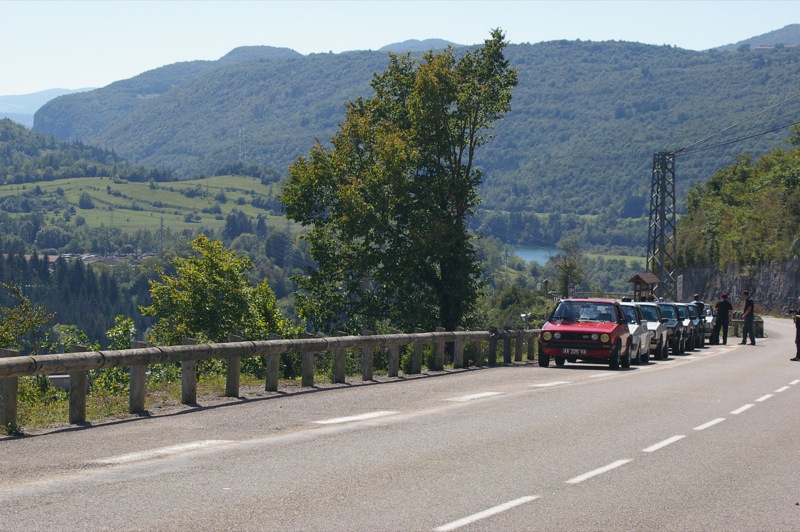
x=704 y=441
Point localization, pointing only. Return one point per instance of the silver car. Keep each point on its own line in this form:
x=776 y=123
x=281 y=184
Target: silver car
x=640 y=333
x=659 y=342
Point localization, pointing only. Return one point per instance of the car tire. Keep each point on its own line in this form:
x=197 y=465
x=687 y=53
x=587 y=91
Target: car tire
x=638 y=358
x=665 y=351
x=625 y=361
x=613 y=362
x=544 y=360
x=560 y=361
x=644 y=359
x=659 y=352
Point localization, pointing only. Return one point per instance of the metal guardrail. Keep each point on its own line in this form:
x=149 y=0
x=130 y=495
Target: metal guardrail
x=78 y=362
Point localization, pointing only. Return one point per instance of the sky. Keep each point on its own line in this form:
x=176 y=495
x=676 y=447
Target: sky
x=80 y=44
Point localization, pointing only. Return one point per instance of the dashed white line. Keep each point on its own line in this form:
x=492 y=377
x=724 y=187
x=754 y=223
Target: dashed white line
x=710 y=423
x=360 y=417
x=782 y=389
x=659 y=445
x=742 y=409
x=763 y=398
x=794 y=381
x=485 y=513
x=157 y=453
x=546 y=384
x=473 y=396
x=599 y=471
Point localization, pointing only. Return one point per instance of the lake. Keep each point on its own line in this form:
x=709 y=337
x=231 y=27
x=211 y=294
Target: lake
x=537 y=254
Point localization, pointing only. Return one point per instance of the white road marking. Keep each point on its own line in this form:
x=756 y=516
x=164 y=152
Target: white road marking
x=763 y=398
x=795 y=381
x=546 y=384
x=659 y=445
x=742 y=409
x=486 y=513
x=157 y=453
x=710 y=423
x=600 y=375
x=782 y=389
x=600 y=471
x=474 y=396
x=360 y=417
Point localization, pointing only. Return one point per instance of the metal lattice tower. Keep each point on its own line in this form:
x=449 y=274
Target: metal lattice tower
x=661 y=247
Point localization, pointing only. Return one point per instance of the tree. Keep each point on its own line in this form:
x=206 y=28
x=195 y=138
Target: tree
x=568 y=263
x=389 y=203
x=20 y=321
x=209 y=298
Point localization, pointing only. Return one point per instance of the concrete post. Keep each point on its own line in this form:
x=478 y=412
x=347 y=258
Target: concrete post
x=189 y=377
x=438 y=353
x=77 y=391
x=492 y=356
x=518 y=348
x=416 y=357
x=307 y=366
x=531 y=347
x=506 y=346
x=393 y=356
x=273 y=369
x=367 y=358
x=136 y=393
x=458 y=351
x=233 y=371
x=9 y=397
x=339 y=359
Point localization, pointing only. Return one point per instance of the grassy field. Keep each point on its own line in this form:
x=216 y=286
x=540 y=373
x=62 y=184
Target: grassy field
x=179 y=205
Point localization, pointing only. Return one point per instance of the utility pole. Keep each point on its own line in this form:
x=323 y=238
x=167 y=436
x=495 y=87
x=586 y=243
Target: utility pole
x=661 y=247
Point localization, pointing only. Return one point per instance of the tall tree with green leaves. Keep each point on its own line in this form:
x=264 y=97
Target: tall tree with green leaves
x=388 y=204
x=20 y=323
x=569 y=265
x=210 y=298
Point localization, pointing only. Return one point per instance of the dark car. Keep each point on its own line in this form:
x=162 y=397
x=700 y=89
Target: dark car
x=699 y=325
x=689 y=327
x=589 y=330
x=674 y=323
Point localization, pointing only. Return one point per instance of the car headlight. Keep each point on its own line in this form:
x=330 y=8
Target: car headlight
x=547 y=336
x=604 y=338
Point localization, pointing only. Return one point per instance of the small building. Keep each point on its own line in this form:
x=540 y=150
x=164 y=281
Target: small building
x=644 y=286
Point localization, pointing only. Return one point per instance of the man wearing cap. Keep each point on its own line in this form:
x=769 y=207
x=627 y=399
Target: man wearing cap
x=797 y=332
x=748 y=315
x=724 y=309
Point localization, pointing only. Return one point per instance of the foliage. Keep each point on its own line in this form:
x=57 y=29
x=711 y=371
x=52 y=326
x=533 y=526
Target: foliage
x=569 y=266
x=748 y=212
x=209 y=298
x=388 y=205
x=18 y=324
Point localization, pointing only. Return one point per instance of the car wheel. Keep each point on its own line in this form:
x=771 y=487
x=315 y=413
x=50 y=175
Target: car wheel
x=544 y=360
x=613 y=362
x=626 y=358
x=644 y=359
x=665 y=351
x=659 y=353
x=638 y=358
x=560 y=361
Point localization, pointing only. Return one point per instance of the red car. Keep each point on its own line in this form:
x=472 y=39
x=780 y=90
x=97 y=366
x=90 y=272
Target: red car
x=590 y=330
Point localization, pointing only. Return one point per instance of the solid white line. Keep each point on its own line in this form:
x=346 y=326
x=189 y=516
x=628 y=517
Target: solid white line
x=659 y=445
x=360 y=417
x=710 y=423
x=604 y=469
x=742 y=409
x=486 y=513
x=163 y=451
x=546 y=384
x=600 y=375
x=763 y=398
x=782 y=389
x=473 y=396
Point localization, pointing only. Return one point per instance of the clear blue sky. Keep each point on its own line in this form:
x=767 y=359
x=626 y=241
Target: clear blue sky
x=76 y=44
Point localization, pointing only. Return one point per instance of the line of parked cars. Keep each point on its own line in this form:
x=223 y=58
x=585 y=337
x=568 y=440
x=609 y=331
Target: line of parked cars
x=622 y=332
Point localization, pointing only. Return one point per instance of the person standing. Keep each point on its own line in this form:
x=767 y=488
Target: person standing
x=748 y=315
x=724 y=309
x=797 y=332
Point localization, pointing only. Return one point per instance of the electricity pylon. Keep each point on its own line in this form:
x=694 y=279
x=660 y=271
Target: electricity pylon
x=661 y=247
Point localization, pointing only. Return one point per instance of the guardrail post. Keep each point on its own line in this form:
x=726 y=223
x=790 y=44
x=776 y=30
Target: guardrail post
x=189 y=377
x=233 y=371
x=518 y=347
x=491 y=358
x=438 y=353
x=416 y=357
x=273 y=369
x=393 y=358
x=136 y=392
x=506 y=346
x=307 y=366
x=458 y=351
x=476 y=353
x=77 y=391
x=367 y=358
x=9 y=397
x=531 y=347
x=339 y=360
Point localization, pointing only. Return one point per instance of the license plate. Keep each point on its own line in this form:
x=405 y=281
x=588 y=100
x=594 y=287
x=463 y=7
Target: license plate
x=573 y=351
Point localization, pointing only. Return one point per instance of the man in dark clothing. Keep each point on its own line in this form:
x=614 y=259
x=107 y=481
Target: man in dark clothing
x=797 y=332
x=748 y=315
x=724 y=309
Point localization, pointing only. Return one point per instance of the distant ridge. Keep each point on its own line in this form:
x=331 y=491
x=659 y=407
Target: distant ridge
x=414 y=45
x=786 y=36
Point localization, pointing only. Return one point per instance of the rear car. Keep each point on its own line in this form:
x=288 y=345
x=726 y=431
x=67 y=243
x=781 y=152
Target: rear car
x=640 y=333
x=659 y=341
x=674 y=323
x=689 y=327
x=587 y=330
x=699 y=325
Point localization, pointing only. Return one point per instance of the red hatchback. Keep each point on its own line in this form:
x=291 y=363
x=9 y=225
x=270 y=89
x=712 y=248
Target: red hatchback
x=589 y=330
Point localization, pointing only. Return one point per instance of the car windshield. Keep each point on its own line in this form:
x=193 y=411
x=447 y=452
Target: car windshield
x=583 y=311
x=649 y=312
x=669 y=311
x=693 y=311
x=630 y=314
x=683 y=312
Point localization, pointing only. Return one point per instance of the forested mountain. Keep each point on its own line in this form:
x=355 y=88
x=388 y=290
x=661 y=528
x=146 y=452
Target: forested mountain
x=574 y=154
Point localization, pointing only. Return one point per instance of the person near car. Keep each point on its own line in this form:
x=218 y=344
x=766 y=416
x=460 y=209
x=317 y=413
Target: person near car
x=748 y=315
x=797 y=332
x=699 y=304
x=724 y=309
